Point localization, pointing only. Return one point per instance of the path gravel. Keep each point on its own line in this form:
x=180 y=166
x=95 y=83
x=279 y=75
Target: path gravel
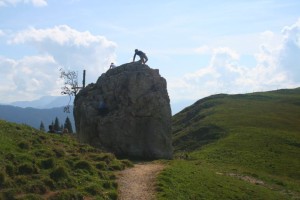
x=138 y=182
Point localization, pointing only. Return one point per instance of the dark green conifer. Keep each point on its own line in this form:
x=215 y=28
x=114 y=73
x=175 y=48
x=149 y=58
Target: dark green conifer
x=56 y=124
x=42 y=126
x=68 y=125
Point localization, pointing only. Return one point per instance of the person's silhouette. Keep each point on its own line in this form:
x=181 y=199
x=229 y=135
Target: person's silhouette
x=142 y=55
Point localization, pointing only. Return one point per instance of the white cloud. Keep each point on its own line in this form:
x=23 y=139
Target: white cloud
x=289 y=53
x=277 y=66
x=205 y=49
x=267 y=34
x=244 y=43
x=27 y=78
x=37 y=3
x=34 y=76
x=1 y=33
x=71 y=48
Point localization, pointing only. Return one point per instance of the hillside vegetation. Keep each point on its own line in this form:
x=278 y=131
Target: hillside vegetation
x=236 y=147
x=37 y=165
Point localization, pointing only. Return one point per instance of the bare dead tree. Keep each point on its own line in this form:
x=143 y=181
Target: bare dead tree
x=70 y=87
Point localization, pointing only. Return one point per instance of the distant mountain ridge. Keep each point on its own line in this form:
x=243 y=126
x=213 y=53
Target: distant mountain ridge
x=44 y=102
x=34 y=116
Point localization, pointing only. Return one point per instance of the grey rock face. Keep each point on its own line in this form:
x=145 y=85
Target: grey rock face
x=138 y=119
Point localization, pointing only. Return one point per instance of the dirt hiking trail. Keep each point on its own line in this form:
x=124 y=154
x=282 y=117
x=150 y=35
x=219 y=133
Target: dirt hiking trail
x=138 y=182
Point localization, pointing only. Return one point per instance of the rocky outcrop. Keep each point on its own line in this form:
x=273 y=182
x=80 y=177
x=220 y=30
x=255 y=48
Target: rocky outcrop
x=136 y=121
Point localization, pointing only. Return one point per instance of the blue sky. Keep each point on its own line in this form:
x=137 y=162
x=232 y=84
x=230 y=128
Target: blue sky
x=201 y=47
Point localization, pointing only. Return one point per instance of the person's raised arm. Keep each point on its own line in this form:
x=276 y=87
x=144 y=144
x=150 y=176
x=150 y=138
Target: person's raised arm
x=134 y=57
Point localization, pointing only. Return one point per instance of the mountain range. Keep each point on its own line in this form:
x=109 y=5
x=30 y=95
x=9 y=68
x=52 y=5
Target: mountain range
x=34 y=116
x=32 y=113
x=44 y=102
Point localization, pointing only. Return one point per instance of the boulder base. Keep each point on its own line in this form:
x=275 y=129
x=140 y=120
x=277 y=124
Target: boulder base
x=137 y=119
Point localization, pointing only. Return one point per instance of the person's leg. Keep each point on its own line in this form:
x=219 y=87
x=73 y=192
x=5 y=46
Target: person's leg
x=145 y=59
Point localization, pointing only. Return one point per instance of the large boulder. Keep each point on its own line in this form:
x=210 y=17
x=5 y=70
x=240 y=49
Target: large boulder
x=137 y=123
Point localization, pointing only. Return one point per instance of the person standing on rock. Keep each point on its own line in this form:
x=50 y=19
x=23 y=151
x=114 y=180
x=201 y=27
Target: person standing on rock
x=142 y=55
x=112 y=65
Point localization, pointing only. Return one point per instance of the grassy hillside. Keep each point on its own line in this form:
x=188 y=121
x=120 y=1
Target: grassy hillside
x=36 y=165
x=236 y=147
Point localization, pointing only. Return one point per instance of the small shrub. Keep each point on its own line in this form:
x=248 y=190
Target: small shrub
x=31 y=197
x=21 y=180
x=101 y=165
x=103 y=175
x=59 y=152
x=279 y=182
x=48 y=163
x=95 y=157
x=9 y=194
x=36 y=142
x=10 y=156
x=49 y=183
x=42 y=137
x=43 y=153
x=114 y=185
x=116 y=165
x=70 y=162
x=2 y=178
x=83 y=165
x=59 y=174
x=26 y=168
x=37 y=188
x=24 y=145
x=66 y=195
x=127 y=163
x=107 y=185
x=10 y=170
x=86 y=148
x=113 y=195
x=112 y=177
x=106 y=157
x=66 y=184
x=93 y=189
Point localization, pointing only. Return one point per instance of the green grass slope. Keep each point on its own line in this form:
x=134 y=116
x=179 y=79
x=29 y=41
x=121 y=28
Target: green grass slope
x=236 y=147
x=37 y=165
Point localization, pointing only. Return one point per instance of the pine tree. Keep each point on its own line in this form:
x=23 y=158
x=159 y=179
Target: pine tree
x=68 y=125
x=56 y=124
x=42 y=127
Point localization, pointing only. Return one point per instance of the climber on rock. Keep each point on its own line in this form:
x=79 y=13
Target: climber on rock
x=142 y=55
x=103 y=109
x=112 y=65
